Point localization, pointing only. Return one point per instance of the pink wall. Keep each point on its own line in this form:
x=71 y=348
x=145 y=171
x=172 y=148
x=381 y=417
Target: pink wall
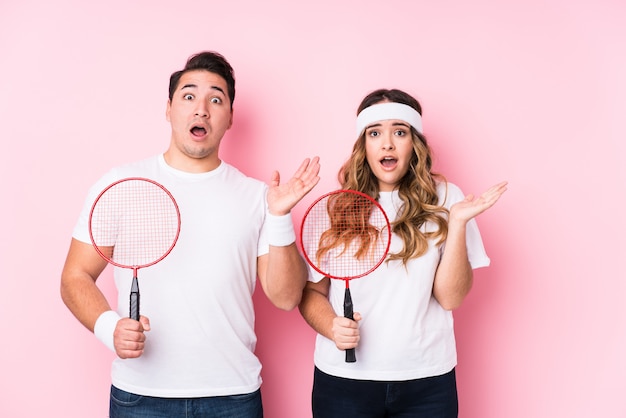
x=531 y=91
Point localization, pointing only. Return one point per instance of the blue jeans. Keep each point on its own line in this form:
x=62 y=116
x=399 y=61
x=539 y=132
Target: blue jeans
x=431 y=397
x=127 y=405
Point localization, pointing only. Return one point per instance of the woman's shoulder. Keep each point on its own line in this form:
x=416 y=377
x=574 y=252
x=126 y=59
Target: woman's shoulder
x=449 y=193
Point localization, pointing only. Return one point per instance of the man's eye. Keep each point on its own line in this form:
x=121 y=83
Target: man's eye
x=188 y=96
x=216 y=100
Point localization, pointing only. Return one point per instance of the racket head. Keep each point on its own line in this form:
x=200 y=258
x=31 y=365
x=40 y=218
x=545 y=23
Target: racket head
x=345 y=234
x=134 y=223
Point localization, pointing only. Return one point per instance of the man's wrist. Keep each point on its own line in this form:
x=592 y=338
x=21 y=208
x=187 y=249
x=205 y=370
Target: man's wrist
x=280 y=232
x=105 y=327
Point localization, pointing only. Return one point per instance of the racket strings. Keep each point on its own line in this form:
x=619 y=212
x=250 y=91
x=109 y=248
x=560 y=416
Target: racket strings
x=344 y=235
x=138 y=219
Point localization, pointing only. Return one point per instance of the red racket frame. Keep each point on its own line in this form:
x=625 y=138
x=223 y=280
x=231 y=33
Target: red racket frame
x=134 y=296
x=348 y=307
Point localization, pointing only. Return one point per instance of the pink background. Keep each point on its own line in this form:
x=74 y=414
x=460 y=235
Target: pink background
x=531 y=91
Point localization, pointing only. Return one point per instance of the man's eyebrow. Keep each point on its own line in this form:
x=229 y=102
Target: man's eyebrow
x=195 y=86
x=219 y=89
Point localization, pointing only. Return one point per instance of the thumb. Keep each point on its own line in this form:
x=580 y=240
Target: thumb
x=275 y=181
x=357 y=316
x=145 y=322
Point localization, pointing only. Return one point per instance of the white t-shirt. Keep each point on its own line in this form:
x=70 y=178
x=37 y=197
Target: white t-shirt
x=199 y=298
x=405 y=333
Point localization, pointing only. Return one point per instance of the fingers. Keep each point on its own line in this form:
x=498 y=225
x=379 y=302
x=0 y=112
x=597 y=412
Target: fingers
x=129 y=338
x=309 y=166
x=492 y=195
x=471 y=206
x=346 y=331
x=497 y=189
x=306 y=177
x=308 y=173
x=302 y=167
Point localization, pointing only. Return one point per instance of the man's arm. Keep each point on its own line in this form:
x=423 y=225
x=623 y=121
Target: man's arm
x=283 y=272
x=84 y=299
x=79 y=292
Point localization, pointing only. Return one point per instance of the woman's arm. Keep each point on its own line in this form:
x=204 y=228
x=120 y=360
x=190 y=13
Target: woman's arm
x=454 y=277
x=320 y=315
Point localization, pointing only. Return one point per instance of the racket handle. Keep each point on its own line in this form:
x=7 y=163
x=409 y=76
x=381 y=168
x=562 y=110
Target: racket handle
x=348 y=312
x=350 y=355
x=134 y=299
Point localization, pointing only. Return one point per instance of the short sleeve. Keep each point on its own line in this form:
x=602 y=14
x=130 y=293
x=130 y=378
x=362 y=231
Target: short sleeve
x=450 y=194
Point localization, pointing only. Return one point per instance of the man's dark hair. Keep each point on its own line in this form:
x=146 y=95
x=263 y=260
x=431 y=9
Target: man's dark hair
x=208 y=61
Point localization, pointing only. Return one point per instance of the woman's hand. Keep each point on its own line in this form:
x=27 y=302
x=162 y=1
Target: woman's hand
x=470 y=207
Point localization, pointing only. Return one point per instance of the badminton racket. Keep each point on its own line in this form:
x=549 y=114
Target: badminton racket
x=134 y=223
x=345 y=235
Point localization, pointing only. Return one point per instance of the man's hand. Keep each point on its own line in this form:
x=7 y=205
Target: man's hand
x=129 y=337
x=281 y=198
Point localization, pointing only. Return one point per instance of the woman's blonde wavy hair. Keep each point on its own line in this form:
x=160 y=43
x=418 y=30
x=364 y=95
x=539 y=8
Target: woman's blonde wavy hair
x=417 y=189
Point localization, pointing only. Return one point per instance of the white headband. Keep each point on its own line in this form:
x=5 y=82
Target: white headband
x=386 y=111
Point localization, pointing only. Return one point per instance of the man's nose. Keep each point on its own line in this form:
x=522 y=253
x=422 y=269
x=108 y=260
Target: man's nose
x=202 y=110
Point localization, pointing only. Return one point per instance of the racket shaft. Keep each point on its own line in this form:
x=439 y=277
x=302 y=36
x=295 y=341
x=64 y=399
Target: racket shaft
x=134 y=299
x=348 y=312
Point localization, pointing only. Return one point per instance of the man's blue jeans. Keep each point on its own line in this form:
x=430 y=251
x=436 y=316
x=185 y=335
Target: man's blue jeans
x=128 y=405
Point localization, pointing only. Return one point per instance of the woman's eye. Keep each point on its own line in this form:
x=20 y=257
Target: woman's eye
x=400 y=133
x=374 y=133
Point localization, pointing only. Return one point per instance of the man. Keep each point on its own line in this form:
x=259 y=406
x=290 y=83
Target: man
x=193 y=351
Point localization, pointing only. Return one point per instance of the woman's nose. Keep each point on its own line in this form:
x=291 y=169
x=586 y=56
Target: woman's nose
x=387 y=143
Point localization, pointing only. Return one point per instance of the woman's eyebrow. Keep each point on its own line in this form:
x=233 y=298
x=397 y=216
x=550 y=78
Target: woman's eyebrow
x=398 y=123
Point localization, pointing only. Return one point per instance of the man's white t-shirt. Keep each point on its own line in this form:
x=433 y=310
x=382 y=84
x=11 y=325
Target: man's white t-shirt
x=199 y=298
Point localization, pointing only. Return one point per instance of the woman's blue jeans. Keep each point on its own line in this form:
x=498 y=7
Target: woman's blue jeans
x=431 y=397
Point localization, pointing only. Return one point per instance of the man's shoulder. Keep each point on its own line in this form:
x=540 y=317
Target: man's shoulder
x=234 y=173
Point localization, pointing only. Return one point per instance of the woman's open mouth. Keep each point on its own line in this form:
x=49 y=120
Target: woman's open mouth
x=388 y=162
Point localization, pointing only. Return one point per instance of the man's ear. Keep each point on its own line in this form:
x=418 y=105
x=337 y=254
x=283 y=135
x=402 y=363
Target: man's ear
x=167 y=110
x=232 y=115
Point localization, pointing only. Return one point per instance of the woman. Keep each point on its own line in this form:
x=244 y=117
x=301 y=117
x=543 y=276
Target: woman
x=403 y=328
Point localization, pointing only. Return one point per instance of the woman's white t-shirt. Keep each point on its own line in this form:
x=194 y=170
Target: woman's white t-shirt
x=405 y=333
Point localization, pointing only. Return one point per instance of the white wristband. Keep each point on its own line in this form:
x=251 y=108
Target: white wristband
x=280 y=231
x=105 y=327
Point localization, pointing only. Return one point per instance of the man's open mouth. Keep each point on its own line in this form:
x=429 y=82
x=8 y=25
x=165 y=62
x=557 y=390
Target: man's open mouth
x=198 y=131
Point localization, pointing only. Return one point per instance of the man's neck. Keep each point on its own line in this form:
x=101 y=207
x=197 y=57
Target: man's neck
x=191 y=165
